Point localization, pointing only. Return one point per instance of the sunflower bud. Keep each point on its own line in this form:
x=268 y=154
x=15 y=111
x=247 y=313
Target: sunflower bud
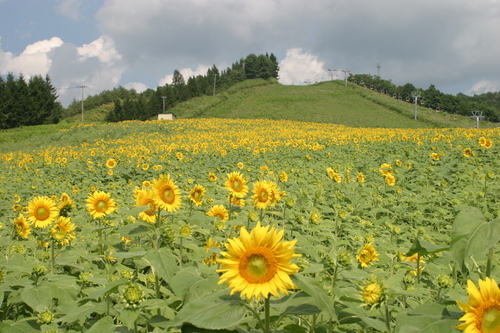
x=39 y=269
x=45 y=317
x=444 y=281
x=133 y=294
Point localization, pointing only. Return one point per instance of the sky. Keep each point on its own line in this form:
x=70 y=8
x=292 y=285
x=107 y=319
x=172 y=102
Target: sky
x=102 y=44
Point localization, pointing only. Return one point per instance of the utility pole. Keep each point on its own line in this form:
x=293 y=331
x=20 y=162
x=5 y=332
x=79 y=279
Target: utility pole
x=83 y=87
x=378 y=69
x=215 y=80
x=163 y=98
x=478 y=115
x=346 y=71
x=415 y=96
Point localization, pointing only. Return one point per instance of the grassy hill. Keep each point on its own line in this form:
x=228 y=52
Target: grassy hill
x=329 y=102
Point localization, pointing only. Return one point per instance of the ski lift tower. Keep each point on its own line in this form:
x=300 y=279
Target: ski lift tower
x=415 y=96
x=478 y=115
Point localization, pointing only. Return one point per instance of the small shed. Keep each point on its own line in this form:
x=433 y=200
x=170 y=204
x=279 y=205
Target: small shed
x=166 y=116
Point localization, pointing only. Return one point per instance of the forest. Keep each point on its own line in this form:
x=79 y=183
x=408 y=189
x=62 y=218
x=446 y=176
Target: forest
x=431 y=97
x=28 y=103
x=34 y=101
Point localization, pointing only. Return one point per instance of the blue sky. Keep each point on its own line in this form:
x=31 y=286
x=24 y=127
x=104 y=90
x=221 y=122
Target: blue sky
x=453 y=44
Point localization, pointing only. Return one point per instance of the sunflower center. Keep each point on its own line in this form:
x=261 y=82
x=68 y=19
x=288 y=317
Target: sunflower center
x=197 y=195
x=42 y=213
x=365 y=256
x=169 y=195
x=101 y=206
x=237 y=185
x=258 y=265
x=490 y=322
x=263 y=196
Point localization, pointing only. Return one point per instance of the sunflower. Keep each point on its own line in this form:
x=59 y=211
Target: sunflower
x=240 y=165
x=468 y=152
x=166 y=194
x=283 y=177
x=22 y=227
x=367 y=254
x=258 y=263
x=482 y=141
x=435 y=156
x=488 y=144
x=66 y=205
x=390 y=179
x=360 y=177
x=219 y=211
x=482 y=314
x=100 y=204
x=212 y=259
x=236 y=184
x=212 y=177
x=63 y=231
x=142 y=198
x=42 y=211
x=262 y=194
x=385 y=169
x=196 y=195
x=111 y=163
x=372 y=293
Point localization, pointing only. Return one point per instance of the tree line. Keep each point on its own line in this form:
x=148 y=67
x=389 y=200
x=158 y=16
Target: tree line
x=28 y=103
x=130 y=105
x=431 y=97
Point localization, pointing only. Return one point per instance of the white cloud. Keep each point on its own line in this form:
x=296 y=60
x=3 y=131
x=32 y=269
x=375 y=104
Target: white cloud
x=137 y=86
x=34 y=60
x=69 y=8
x=186 y=73
x=300 y=67
x=483 y=87
x=102 y=48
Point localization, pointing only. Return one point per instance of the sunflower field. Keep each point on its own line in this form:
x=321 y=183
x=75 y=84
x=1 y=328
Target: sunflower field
x=203 y=225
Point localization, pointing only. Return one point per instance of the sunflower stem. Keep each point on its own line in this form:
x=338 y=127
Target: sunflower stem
x=267 y=317
x=52 y=257
x=387 y=317
x=489 y=262
x=157 y=228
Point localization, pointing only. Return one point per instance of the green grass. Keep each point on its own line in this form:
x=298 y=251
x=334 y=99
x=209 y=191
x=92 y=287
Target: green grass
x=329 y=102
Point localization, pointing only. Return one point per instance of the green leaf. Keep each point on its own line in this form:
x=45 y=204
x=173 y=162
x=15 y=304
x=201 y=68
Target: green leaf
x=163 y=261
x=77 y=312
x=296 y=304
x=129 y=316
x=313 y=288
x=37 y=298
x=425 y=248
x=427 y=318
x=127 y=255
x=215 y=311
x=104 y=325
x=107 y=289
x=24 y=326
x=183 y=280
x=472 y=234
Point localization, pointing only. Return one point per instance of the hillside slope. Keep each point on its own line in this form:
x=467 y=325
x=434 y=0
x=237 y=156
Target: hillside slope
x=329 y=102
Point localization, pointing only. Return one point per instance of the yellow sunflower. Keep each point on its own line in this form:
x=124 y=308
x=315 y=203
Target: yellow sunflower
x=142 y=198
x=236 y=184
x=283 y=177
x=488 y=144
x=167 y=195
x=219 y=211
x=468 y=152
x=372 y=293
x=435 y=156
x=385 y=169
x=212 y=259
x=482 y=141
x=196 y=195
x=258 y=263
x=212 y=177
x=390 y=179
x=66 y=205
x=100 y=204
x=111 y=163
x=63 y=231
x=482 y=314
x=42 y=211
x=360 y=177
x=262 y=194
x=367 y=254
x=22 y=227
